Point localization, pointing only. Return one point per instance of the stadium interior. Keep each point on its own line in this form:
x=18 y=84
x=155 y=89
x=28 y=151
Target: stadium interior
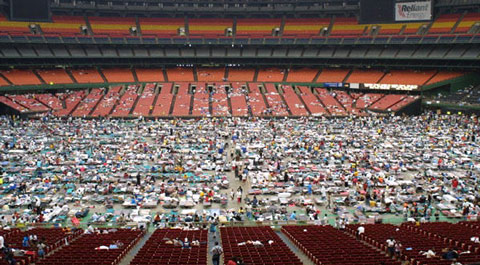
x=142 y=132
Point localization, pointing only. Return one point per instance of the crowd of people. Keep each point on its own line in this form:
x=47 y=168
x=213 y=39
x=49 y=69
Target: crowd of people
x=184 y=172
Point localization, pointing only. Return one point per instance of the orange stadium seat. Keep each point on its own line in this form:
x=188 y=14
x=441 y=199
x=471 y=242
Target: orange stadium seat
x=166 y=88
x=254 y=87
x=162 y=105
x=270 y=75
x=239 y=105
x=29 y=101
x=3 y=82
x=72 y=99
x=109 y=25
x=55 y=76
x=275 y=102
x=238 y=100
x=293 y=102
x=89 y=103
x=220 y=105
x=50 y=100
x=117 y=75
x=311 y=101
x=347 y=26
x=442 y=76
x=13 y=26
x=210 y=74
x=444 y=23
x=365 y=76
x=149 y=75
x=180 y=74
x=14 y=105
x=367 y=99
x=467 y=22
x=256 y=103
x=305 y=75
x=241 y=74
x=388 y=29
x=270 y=88
x=63 y=24
x=304 y=26
x=87 y=76
x=201 y=101
x=21 y=77
x=332 y=75
x=161 y=26
x=182 y=105
x=407 y=77
x=183 y=88
x=347 y=102
x=406 y=101
x=145 y=102
x=126 y=102
x=59 y=24
x=256 y=27
x=412 y=28
x=387 y=101
x=214 y=27
x=330 y=102
x=108 y=102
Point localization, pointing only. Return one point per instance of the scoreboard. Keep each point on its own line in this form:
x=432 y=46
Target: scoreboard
x=30 y=10
x=376 y=11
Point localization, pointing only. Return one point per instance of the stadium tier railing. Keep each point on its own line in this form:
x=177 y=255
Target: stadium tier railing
x=6 y=37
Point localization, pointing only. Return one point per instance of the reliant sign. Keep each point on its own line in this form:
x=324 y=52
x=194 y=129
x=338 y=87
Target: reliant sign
x=413 y=11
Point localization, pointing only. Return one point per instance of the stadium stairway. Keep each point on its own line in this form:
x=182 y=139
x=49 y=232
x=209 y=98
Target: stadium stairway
x=174 y=98
x=340 y=103
x=212 y=238
x=457 y=23
x=71 y=76
x=6 y=79
x=321 y=103
x=102 y=75
x=285 y=103
x=305 y=260
x=39 y=77
x=98 y=102
x=156 y=92
x=131 y=255
x=304 y=104
x=316 y=76
x=229 y=105
x=134 y=73
x=139 y=93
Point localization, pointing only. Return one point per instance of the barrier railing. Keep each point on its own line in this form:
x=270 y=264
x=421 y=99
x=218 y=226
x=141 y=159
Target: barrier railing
x=248 y=223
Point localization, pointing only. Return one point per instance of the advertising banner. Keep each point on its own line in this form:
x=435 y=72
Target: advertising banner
x=413 y=11
x=390 y=87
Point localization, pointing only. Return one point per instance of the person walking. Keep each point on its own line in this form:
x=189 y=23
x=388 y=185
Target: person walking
x=216 y=252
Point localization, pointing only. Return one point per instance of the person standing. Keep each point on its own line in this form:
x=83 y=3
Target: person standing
x=216 y=252
x=391 y=246
x=9 y=255
x=138 y=180
x=2 y=242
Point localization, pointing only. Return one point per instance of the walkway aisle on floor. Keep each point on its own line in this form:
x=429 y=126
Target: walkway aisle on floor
x=212 y=238
x=131 y=254
x=305 y=260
